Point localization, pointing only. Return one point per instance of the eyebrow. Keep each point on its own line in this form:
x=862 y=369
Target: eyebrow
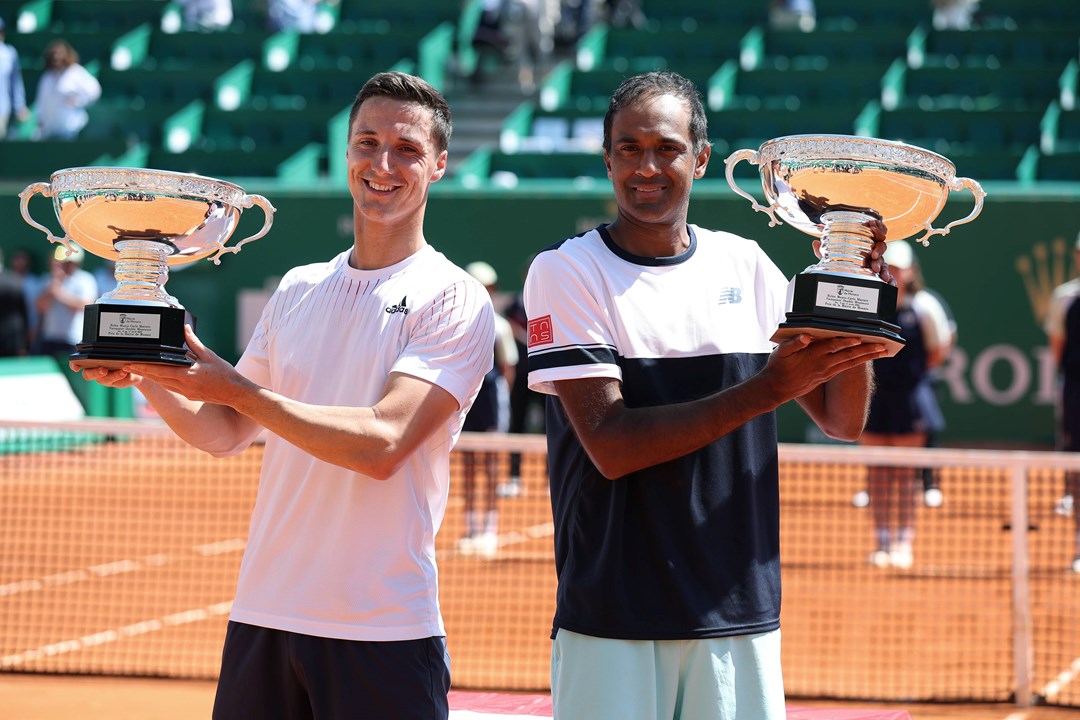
x=409 y=139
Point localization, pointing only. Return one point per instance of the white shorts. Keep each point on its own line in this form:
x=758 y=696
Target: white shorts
x=715 y=678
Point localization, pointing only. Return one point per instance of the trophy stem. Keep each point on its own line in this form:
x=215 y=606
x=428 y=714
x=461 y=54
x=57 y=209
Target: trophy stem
x=141 y=272
x=845 y=244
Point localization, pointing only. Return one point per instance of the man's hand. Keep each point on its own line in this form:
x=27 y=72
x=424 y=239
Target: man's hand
x=800 y=363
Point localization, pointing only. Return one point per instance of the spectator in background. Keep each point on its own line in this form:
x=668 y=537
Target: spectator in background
x=13 y=313
x=299 y=15
x=60 y=303
x=207 y=15
x=954 y=14
x=23 y=265
x=12 y=90
x=1063 y=331
x=518 y=32
x=904 y=409
x=526 y=405
x=64 y=91
x=490 y=413
x=792 y=15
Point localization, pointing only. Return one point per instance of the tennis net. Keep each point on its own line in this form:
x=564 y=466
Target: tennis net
x=119 y=548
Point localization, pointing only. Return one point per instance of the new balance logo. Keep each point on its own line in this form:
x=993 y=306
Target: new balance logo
x=730 y=296
x=399 y=308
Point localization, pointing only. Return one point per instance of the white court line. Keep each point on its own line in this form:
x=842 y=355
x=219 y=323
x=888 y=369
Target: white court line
x=117 y=567
x=113 y=635
x=1052 y=688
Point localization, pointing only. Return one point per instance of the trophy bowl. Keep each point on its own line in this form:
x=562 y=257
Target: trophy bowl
x=831 y=186
x=143 y=220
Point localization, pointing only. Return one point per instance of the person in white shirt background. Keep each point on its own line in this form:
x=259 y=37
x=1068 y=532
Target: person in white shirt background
x=64 y=91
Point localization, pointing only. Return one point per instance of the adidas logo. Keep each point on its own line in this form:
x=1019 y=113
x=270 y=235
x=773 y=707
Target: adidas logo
x=399 y=308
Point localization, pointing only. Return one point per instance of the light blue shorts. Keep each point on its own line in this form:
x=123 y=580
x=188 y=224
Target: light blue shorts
x=710 y=679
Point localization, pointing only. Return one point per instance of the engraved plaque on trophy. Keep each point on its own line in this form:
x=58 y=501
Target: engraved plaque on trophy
x=145 y=221
x=831 y=186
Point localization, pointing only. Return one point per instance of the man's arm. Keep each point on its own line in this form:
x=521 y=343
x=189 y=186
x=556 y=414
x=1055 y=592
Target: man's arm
x=215 y=408
x=621 y=440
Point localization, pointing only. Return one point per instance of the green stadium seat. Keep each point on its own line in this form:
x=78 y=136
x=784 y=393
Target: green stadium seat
x=1027 y=15
x=994 y=47
x=871 y=15
x=556 y=165
x=739 y=128
x=357 y=50
x=677 y=45
x=828 y=47
x=707 y=15
x=420 y=14
x=294 y=88
x=791 y=88
x=136 y=125
x=207 y=54
x=144 y=87
x=980 y=88
x=234 y=164
x=109 y=17
x=36 y=161
x=953 y=130
x=1059 y=167
x=251 y=128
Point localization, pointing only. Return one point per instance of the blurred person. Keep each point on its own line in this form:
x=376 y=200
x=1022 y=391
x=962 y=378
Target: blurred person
x=792 y=15
x=13 y=313
x=904 y=408
x=954 y=14
x=207 y=15
x=526 y=405
x=520 y=33
x=1062 y=328
x=651 y=338
x=66 y=291
x=64 y=91
x=625 y=13
x=12 y=90
x=361 y=371
x=299 y=15
x=22 y=264
x=490 y=413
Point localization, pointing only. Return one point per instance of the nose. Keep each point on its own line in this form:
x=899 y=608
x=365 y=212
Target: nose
x=381 y=162
x=648 y=165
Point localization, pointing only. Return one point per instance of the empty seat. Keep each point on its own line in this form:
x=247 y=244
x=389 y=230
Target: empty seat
x=104 y=16
x=827 y=47
x=35 y=161
x=792 y=88
x=357 y=50
x=955 y=130
x=207 y=54
x=996 y=47
x=976 y=88
x=557 y=165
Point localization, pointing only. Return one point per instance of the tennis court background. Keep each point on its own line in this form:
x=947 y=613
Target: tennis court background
x=119 y=547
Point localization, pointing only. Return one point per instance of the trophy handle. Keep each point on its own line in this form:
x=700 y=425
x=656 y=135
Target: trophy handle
x=24 y=205
x=750 y=156
x=268 y=211
x=958 y=184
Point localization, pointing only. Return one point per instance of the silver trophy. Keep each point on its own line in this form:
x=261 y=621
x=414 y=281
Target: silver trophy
x=145 y=221
x=830 y=186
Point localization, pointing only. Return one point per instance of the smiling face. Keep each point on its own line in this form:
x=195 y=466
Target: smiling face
x=651 y=161
x=392 y=160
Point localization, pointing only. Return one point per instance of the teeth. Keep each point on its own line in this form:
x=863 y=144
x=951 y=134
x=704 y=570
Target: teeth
x=381 y=188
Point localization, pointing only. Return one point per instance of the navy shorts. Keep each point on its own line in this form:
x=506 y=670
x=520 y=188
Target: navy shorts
x=276 y=675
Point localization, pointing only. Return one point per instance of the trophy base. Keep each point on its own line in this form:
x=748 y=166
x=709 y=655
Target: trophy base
x=116 y=334
x=828 y=304
x=879 y=332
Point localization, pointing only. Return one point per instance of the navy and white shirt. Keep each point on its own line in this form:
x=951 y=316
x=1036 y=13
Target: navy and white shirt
x=688 y=548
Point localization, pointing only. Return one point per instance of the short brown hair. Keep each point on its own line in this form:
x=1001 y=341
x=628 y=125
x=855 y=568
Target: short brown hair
x=409 y=88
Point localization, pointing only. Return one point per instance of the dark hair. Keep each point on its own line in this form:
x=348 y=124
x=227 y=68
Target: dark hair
x=59 y=54
x=654 y=84
x=409 y=88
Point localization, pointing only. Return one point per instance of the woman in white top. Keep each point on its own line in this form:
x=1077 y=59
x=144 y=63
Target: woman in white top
x=63 y=93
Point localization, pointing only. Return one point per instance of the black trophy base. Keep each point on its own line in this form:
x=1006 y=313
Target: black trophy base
x=828 y=305
x=115 y=334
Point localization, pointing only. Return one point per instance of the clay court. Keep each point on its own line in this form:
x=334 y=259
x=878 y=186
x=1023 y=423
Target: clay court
x=120 y=552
